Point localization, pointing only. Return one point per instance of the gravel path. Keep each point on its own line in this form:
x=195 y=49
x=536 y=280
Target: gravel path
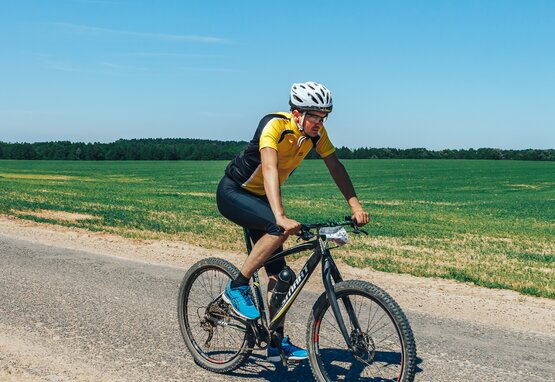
x=70 y=315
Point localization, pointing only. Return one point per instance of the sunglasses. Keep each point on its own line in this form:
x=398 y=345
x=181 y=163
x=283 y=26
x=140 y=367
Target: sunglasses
x=315 y=118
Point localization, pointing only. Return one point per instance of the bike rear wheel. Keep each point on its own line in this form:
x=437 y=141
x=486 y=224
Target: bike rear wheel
x=380 y=332
x=217 y=339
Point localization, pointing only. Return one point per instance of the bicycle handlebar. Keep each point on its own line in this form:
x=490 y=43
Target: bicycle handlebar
x=306 y=229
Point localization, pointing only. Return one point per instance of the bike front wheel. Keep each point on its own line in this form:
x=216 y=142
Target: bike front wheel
x=383 y=343
x=218 y=340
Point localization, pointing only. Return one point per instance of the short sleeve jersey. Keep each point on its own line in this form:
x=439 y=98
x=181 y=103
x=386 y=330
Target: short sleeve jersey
x=279 y=132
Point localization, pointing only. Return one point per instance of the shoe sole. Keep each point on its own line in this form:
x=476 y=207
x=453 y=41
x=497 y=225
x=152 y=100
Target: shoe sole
x=277 y=358
x=224 y=297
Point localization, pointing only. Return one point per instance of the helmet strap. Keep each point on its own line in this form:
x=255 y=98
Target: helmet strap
x=300 y=125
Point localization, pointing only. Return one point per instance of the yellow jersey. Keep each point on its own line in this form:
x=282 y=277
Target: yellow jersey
x=279 y=132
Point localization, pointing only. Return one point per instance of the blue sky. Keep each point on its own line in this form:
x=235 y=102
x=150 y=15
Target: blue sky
x=434 y=74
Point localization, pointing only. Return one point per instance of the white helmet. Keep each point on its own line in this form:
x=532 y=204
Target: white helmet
x=310 y=96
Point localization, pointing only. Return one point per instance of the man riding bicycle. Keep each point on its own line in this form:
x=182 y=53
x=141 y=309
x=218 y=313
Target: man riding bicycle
x=249 y=194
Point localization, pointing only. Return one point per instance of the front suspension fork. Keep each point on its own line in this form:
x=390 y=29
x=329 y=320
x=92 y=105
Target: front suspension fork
x=330 y=271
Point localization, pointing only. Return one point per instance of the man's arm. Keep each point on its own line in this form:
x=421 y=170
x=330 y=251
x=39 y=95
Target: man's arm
x=343 y=181
x=269 y=159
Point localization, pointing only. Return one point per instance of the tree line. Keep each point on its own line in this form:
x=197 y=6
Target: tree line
x=203 y=149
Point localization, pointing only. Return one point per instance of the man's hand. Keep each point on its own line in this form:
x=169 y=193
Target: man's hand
x=361 y=217
x=289 y=226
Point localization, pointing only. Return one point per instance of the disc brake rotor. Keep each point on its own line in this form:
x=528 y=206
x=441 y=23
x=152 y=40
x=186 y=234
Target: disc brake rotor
x=364 y=348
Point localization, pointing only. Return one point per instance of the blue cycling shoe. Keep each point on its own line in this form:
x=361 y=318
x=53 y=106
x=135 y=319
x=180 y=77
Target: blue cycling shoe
x=241 y=301
x=294 y=353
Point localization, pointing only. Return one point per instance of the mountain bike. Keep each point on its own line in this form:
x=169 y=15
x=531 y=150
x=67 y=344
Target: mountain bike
x=355 y=330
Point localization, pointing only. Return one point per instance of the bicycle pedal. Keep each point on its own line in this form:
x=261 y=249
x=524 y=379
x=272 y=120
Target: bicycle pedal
x=289 y=363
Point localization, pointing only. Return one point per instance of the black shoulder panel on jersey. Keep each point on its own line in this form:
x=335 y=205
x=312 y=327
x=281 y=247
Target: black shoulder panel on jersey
x=284 y=133
x=267 y=118
x=246 y=162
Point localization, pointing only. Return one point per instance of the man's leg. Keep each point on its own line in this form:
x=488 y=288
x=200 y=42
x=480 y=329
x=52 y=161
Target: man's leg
x=273 y=268
x=261 y=251
x=254 y=212
x=237 y=291
x=291 y=351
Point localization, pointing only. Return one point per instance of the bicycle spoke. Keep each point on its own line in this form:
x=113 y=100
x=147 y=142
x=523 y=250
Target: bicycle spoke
x=377 y=347
x=216 y=338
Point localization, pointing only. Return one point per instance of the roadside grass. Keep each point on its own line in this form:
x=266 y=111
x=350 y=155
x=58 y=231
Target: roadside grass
x=490 y=223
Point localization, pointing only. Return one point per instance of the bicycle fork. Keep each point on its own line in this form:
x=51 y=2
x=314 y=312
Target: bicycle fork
x=329 y=271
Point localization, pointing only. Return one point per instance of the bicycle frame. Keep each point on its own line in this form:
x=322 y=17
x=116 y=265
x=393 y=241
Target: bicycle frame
x=320 y=252
x=378 y=344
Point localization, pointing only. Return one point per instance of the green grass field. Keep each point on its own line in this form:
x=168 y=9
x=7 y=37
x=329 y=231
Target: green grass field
x=491 y=223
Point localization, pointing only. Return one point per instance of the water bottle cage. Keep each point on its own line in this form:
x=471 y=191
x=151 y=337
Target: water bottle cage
x=277 y=298
x=285 y=279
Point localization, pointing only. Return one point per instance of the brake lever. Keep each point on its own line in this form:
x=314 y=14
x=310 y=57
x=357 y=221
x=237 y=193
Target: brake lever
x=304 y=234
x=356 y=228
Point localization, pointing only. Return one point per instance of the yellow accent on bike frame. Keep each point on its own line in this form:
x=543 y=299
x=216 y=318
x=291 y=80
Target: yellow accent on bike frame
x=293 y=297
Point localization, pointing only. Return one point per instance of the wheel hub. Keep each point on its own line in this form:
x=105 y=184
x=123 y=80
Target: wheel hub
x=364 y=348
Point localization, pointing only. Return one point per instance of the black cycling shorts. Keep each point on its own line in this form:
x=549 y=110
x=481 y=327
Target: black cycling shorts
x=252 y=212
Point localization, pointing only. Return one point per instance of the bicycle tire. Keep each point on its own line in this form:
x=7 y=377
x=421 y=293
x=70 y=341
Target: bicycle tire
x=386 y=343
x=206 y=280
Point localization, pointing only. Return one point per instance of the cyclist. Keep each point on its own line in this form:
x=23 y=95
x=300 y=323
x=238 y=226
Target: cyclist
x=249 y=193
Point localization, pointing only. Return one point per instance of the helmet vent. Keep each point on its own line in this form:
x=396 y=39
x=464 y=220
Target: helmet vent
x=310 y=96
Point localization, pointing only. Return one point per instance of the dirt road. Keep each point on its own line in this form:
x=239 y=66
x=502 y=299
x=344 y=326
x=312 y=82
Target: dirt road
x=79 y=306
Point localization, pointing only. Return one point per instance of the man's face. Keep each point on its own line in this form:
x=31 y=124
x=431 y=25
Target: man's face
x=313 y=121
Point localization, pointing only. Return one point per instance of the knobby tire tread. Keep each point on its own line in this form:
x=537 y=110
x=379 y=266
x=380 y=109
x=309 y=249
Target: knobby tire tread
x=379 y=295
x=246 y=350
